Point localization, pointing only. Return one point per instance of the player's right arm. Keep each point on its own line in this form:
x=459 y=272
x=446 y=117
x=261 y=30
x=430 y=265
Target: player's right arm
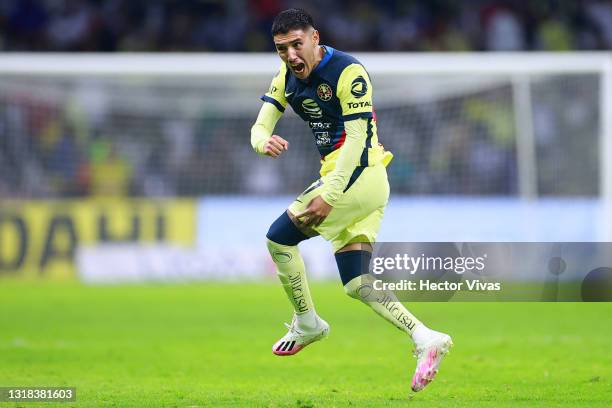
x=262 y=139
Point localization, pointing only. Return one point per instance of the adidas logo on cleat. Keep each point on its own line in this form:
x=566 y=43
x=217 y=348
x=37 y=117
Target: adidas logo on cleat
x=285 y=345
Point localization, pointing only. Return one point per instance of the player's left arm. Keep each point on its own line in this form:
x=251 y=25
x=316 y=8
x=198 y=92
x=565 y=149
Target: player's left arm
x=355 y=95
x=348 y=160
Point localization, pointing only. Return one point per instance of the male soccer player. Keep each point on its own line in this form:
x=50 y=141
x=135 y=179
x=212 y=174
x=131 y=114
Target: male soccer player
x=332 y=92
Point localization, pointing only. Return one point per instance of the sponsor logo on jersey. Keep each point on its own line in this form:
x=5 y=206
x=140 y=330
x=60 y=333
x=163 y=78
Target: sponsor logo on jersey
x=322 y=138
x=359 y=87
x=312 y=109
x=320 y=125
x=324 y=92
x=354 y=105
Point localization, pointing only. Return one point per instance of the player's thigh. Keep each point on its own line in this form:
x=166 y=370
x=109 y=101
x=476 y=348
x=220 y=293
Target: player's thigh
x=345 y=212
x=301 y=203
x=371 y=190
x=364 y=230
x=367 y=195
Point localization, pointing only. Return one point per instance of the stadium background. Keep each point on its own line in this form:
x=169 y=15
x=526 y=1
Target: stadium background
x=117 y=171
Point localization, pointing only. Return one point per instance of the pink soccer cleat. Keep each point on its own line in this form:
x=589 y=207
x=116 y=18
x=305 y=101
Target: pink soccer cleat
x=429 y=356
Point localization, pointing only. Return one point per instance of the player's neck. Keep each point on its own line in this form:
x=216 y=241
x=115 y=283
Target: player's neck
x=319 y=53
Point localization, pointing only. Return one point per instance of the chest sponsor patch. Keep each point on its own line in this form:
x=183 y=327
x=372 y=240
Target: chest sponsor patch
x=312 y=109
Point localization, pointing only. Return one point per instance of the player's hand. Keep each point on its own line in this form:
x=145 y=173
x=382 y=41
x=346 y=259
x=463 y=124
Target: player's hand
x=275 y=146
x=315 y=213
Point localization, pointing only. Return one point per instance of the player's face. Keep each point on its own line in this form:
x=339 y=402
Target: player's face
x=298 y=49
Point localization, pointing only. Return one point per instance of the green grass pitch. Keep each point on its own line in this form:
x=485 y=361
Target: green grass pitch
x=201 y=345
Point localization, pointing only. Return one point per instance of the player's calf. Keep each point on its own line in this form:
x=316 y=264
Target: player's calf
x=306 y=327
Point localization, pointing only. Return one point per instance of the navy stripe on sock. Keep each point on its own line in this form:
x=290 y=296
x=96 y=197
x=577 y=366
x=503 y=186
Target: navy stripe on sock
x=283 y=231
x=352 y=264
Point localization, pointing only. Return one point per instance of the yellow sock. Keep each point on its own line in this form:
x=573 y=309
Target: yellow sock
x=384 y=303
x=292 y=274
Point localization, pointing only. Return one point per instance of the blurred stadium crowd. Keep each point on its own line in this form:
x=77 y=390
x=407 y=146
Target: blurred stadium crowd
x=362 y=25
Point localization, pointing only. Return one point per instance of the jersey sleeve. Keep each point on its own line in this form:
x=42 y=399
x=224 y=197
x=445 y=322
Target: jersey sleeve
x=276 y=93
x=264 y=126
x=355 y=92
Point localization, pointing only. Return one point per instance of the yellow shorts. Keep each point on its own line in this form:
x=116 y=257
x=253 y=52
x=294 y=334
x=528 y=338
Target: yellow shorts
x=356 y=216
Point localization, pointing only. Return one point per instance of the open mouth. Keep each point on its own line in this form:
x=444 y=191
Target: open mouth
x=298 y=68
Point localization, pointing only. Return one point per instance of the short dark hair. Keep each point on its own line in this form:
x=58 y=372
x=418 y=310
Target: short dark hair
x=291 y=19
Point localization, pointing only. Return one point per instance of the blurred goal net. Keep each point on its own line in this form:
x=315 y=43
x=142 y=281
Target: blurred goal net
x=179 y=125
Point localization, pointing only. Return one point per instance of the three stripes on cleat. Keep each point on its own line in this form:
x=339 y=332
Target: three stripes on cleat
x=286 y=345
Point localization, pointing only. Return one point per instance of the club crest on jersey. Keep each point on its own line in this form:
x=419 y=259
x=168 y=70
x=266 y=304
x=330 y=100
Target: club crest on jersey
x=324 y=92
x=359 y=87
x=312 y=109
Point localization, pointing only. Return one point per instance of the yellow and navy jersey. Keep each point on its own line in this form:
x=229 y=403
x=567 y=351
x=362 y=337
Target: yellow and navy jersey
x=337 y=90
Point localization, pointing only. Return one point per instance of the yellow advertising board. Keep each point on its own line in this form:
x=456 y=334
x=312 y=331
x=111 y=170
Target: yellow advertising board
x=40 y=238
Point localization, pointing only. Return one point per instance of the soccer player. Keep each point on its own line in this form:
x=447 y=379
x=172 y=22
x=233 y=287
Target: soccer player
x=332 y=92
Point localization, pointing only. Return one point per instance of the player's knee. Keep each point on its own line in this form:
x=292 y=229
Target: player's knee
x=283 y=231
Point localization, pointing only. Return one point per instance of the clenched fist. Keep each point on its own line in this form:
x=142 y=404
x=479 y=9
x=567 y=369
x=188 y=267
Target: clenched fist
x=275 y=146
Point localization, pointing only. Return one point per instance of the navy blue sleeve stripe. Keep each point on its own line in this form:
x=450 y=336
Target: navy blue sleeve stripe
x=356 y=173
x=274 y=102
x=354 y=116
x=363 y=161
x=364 y=155
x=369 y=133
